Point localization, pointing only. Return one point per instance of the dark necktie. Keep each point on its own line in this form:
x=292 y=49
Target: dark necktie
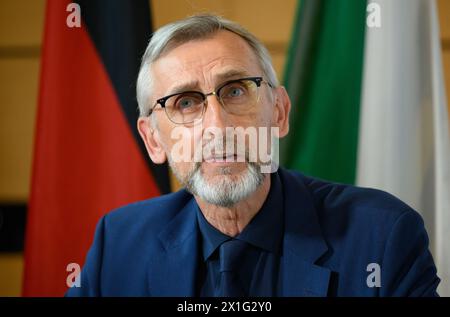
x=230 y=255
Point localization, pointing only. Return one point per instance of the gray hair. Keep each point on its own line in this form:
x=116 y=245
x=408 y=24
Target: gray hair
x=192 y=28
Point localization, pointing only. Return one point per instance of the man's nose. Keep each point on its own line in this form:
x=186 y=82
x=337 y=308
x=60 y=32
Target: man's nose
x=215 y=114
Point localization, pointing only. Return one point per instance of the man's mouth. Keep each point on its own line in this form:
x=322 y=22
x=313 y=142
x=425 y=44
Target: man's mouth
x=224 y=158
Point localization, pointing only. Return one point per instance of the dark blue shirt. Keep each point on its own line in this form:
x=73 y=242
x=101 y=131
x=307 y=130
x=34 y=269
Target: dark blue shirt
x=258 y=272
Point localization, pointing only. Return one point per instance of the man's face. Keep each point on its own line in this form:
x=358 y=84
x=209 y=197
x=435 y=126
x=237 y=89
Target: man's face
x=204 y=65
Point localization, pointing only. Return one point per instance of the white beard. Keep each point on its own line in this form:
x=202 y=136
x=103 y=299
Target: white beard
x=227 y=191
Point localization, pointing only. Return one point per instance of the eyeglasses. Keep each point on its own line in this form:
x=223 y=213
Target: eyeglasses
x=238 y=97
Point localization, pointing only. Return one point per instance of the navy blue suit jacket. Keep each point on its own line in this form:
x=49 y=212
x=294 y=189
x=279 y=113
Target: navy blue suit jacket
x=332 y=234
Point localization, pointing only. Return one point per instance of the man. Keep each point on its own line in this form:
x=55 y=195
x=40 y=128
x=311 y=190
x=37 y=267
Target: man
x=237 y=230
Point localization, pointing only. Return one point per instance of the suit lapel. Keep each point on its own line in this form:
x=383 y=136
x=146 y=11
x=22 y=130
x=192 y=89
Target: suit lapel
x=174 y=272
x=303 y=243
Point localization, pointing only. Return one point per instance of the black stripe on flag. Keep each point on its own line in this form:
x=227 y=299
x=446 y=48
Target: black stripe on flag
x=120 y=30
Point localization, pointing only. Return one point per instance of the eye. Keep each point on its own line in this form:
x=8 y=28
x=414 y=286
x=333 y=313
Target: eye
x=234 y=90
x=187 y=102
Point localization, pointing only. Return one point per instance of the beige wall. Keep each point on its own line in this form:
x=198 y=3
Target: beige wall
x=21 y=25
x=444 y=18
x=268 y=20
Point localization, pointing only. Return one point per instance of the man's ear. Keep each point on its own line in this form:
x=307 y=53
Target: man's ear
x=151 y=139
x=283 y=107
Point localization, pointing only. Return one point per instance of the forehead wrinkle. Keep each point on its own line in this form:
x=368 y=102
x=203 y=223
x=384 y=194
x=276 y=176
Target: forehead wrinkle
x=193 y=72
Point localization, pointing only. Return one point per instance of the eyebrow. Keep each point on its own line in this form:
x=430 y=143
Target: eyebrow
x=220 y=78
x=231 y=74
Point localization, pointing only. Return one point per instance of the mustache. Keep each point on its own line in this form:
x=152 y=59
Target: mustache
x=225 y=148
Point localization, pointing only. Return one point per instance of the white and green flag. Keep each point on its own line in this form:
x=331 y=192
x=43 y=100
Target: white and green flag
x=369 y=105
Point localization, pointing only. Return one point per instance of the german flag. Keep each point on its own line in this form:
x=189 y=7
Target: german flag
x=88 y=158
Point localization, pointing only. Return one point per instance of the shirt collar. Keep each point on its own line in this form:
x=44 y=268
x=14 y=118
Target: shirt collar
x=263 y=231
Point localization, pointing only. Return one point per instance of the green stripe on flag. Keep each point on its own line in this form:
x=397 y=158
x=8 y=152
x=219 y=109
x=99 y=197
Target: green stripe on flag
x=323 y=78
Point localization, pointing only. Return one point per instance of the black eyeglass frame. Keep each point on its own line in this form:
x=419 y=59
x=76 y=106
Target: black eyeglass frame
x=162 y=101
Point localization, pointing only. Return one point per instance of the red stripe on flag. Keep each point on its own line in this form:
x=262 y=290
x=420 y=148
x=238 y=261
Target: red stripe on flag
x=86 y=161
